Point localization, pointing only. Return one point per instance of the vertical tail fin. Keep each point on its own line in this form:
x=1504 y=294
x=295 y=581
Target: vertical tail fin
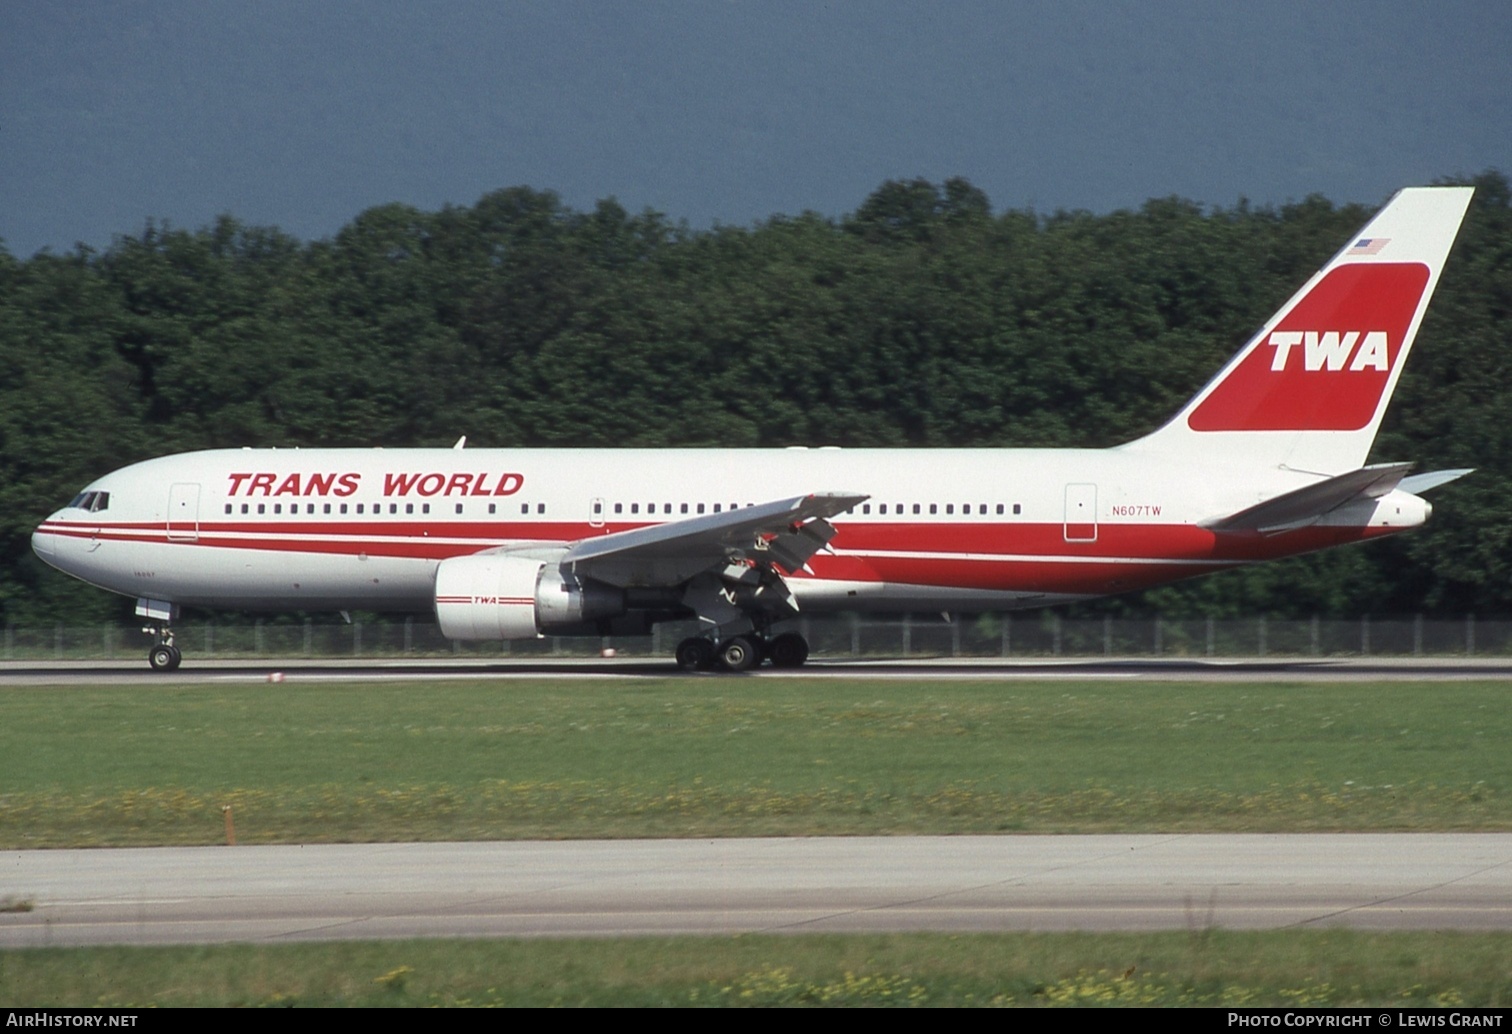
x=1309 y=390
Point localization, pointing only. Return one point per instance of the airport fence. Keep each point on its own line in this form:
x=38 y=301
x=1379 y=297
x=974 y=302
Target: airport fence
x=1031 y=635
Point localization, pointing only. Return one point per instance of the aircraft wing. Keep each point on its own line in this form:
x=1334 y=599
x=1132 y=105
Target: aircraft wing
x=784 y=533
x=1306 y=505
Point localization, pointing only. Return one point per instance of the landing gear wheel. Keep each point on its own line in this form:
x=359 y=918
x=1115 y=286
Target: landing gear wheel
x=738 y=654
x=789 y=650
x=164 y=657
x=695 y=654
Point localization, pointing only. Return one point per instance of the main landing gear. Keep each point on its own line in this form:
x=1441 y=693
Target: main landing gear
x=742 y=652
x=163 y=656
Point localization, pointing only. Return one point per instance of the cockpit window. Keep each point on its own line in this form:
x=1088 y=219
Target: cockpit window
x=91 y=501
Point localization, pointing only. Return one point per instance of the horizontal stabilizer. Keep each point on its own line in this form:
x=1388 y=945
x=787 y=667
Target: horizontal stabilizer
x=1306 y=505
x=1420 y=483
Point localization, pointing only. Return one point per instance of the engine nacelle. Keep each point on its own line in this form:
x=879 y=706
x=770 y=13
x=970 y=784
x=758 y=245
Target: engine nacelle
x=502 y=597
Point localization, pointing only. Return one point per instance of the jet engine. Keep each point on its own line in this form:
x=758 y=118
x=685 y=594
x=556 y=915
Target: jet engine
x=496 y=597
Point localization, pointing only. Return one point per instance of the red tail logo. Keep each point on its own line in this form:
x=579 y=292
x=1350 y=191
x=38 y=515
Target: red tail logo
x=1312 y=374
x=1328 y=350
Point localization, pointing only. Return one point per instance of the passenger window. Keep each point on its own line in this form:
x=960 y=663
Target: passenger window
x=619 y=507
x=950 y=508
x=228 y=507
x=326 y=508
x=540 y=507
x=700 y=507
x=934 y=508
x=244 y=507
x=684 y=507
x=1017 y=508
x=359 y=507
x=635 y=507
x=866 y=507
x=262 y=507
x=492 y=507
x=916 y=508
x=278 y=507
x=524 y=507
x=410 y=508
x=425 y=507
x=459 y=507
x=716 y=507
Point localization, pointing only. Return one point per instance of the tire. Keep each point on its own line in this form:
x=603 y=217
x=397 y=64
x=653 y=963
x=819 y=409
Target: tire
x=164 y=658
x=695 y=654
x=789 y=650
x=738 y=654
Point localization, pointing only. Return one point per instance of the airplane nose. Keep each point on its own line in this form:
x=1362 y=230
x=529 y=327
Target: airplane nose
x=44 y=543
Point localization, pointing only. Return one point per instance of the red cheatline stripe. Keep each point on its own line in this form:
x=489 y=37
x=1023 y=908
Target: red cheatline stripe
x=874 y=543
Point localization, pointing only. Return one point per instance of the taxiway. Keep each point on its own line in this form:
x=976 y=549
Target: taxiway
x=791 y=885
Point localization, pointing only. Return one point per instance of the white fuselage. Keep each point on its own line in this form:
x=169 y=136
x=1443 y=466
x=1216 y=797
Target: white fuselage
x=945 y=529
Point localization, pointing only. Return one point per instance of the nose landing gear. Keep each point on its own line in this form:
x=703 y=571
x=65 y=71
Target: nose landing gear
x=163 y=656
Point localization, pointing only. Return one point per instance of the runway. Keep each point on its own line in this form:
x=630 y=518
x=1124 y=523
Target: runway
x=1328 y=669
x=779 y=886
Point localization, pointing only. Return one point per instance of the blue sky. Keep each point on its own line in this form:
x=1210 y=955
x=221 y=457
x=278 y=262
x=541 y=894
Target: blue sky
x=302 y=114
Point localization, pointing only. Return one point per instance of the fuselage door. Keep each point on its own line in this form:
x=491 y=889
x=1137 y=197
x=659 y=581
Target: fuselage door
x=1081 y=513
x=183 y=513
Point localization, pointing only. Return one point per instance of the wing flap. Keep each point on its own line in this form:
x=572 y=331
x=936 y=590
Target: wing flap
x=785 y=532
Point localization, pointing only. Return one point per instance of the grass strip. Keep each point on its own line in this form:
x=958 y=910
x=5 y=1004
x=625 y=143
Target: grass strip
x=507 y=759
x=1198 y=968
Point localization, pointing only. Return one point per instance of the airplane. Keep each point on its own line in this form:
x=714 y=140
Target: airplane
x=1266 y=461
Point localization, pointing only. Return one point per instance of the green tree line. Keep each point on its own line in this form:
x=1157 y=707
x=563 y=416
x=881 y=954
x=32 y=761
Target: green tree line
x=921 y=319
